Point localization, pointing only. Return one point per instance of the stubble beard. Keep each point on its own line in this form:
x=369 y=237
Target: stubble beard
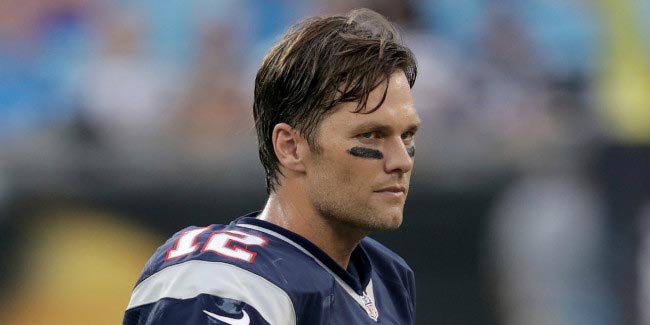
x=356 y=218
x=343 y=211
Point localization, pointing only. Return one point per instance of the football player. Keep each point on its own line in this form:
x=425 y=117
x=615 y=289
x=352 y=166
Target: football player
x=336 y=123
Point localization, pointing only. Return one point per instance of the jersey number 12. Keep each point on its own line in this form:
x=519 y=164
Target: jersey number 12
x=231 y=243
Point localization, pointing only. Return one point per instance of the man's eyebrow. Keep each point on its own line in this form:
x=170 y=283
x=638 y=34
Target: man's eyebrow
x=376 y=126
x=372 y=126
x=414 y=127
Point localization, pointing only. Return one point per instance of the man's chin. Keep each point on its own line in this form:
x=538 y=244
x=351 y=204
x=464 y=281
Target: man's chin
x=387 y=222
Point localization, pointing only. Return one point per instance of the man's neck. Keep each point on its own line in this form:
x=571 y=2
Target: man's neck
x=337 y=241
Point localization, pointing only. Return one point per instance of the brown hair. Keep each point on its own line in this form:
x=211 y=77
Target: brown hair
x=320 y=62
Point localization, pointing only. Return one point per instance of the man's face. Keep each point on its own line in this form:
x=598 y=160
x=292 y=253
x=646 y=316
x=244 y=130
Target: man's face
x=360 y=176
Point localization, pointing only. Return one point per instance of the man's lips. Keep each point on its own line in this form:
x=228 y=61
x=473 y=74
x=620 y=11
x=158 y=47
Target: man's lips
x=397 y=189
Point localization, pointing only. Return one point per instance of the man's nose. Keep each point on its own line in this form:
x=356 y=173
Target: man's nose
x=397 y=158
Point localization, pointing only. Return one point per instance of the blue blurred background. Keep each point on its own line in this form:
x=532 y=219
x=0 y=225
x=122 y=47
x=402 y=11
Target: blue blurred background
x=122 y=122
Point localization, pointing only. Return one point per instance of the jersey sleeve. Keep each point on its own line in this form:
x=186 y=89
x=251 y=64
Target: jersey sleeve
x=203 y=309
x=208 y=292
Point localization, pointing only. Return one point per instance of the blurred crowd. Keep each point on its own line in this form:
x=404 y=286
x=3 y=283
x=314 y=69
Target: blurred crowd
x=550 y=97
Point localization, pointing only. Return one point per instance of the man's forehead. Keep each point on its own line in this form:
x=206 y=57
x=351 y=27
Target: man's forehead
x=397 y=106
x=385 y=107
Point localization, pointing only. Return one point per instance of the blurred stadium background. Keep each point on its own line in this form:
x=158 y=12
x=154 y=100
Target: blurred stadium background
x=122 y=122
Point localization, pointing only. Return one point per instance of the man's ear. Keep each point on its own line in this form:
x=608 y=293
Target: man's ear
x=286 y=144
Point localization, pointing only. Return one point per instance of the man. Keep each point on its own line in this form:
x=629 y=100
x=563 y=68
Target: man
x=336 y=124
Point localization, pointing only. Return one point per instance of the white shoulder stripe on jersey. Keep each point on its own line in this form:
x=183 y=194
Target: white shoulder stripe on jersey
x=190 y=279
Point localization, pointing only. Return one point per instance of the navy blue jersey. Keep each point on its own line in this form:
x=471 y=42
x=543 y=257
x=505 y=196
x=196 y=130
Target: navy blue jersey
x=254 y=272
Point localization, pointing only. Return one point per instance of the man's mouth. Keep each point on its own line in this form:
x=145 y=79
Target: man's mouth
x=393 y=190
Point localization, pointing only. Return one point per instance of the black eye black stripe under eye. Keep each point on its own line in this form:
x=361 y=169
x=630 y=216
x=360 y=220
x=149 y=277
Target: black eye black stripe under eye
x=368 y=153
x=411 y=151
x=373 y=153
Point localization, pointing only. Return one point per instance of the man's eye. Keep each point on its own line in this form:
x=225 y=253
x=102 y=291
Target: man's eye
x=370 y=135
x=408 y=135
